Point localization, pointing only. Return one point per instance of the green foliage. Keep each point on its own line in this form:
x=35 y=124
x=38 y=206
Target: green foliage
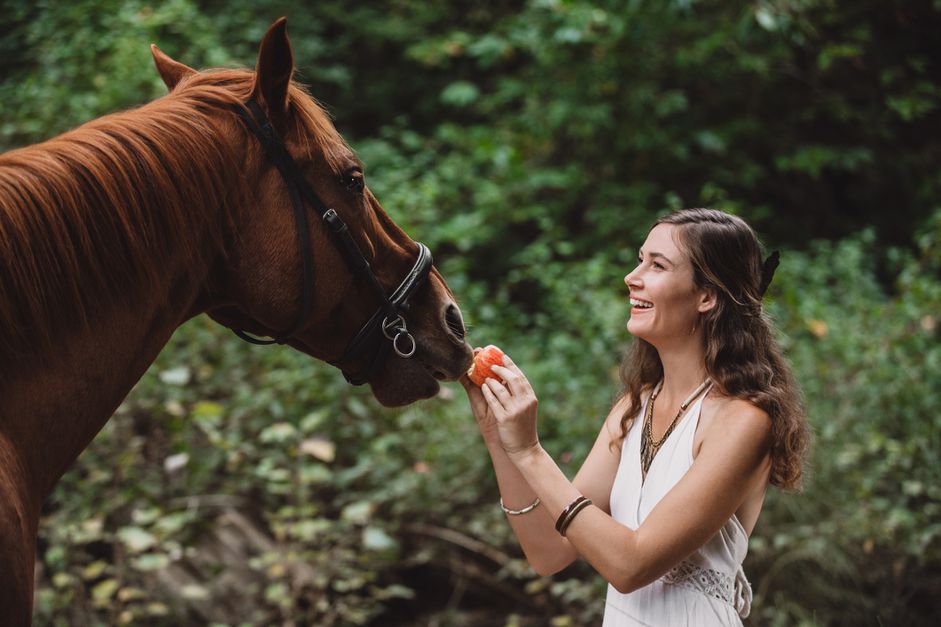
x=863 y=541
x=530 y=145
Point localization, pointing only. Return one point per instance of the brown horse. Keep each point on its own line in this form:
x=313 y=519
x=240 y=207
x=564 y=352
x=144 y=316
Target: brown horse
x=211 y=199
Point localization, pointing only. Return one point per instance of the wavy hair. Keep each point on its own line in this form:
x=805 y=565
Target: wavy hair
x=741 y=354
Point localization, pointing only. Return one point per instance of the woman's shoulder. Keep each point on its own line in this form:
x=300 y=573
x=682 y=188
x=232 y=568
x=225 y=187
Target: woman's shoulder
x=622 y=416
x=726 y=416
x=735 y=407
x=617 y=416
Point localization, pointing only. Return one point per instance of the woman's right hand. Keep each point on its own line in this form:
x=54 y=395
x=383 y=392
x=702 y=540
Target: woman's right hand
x=486 y=421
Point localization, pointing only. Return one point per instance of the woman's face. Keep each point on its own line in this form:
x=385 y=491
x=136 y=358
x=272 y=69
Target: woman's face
x=665 y=303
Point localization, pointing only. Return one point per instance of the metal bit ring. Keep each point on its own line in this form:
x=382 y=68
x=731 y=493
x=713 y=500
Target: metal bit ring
x=399 y=351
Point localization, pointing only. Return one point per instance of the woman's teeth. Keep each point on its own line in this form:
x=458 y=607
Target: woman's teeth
x=641 y=304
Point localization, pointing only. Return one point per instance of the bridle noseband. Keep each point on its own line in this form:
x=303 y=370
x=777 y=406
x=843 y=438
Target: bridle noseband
x=388 y=321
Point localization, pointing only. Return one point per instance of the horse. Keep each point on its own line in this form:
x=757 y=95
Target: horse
x=232 y=195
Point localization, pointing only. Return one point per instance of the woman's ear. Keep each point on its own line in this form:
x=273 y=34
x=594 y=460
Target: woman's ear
x=707 y=299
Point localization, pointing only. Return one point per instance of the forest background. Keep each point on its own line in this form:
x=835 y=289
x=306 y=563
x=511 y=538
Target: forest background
x=530 y=144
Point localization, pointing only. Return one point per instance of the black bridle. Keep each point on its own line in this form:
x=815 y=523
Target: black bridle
x=388 y=321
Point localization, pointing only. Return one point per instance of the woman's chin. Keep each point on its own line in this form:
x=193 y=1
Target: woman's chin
x=636 y=329
x=641 y=331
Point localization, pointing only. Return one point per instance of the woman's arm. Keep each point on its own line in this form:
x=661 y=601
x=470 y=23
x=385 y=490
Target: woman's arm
x=733 y=459
x=546 y=551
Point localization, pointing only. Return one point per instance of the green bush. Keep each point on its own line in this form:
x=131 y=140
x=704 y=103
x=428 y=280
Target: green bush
x=863 y=543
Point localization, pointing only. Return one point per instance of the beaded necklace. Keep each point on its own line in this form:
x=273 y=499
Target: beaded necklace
x=648 y=446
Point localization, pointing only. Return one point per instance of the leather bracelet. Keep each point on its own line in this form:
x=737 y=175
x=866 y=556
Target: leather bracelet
x=568 y=514
x=519 y=512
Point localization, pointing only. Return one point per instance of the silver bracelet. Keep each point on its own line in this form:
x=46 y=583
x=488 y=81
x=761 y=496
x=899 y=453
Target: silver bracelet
x=519 y=512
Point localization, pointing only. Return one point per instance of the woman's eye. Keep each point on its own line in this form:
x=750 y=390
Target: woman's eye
x=656 y=264
x=354 y=183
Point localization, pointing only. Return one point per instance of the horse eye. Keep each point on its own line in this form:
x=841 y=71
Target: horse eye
x=354 y=183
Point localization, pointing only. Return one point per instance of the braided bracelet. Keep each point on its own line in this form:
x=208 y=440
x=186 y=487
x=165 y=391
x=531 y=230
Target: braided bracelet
x=568 y=514
x=519 y=512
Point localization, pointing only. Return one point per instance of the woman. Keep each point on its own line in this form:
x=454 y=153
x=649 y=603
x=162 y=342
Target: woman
x=710 y=415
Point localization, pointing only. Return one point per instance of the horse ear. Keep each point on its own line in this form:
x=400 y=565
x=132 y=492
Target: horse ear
x=275 y=68
x=172 y=72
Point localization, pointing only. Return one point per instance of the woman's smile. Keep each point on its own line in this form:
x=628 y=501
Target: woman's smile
x=639 y=305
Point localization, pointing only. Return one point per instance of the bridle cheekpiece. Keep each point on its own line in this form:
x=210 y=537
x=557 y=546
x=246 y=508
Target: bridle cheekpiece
x=389 y=319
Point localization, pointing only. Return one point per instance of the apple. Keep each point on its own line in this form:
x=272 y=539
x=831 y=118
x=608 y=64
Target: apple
x=483 y=361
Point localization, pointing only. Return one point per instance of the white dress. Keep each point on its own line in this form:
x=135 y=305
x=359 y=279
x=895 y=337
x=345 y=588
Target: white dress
x=706 y=589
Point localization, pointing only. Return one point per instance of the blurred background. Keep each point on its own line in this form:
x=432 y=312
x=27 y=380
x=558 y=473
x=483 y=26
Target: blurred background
x=530 y=145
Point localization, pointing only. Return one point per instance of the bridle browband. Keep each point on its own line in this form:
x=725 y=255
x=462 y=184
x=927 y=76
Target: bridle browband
x=388 y=321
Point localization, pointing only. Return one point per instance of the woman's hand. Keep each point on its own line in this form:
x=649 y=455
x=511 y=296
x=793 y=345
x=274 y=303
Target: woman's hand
x=512 y=404
x=486 y=421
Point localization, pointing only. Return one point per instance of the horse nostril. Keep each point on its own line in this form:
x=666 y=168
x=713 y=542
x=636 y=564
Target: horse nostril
x=452 y=318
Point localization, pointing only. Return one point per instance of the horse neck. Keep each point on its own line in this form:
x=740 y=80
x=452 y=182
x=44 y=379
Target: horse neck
x=55 y=402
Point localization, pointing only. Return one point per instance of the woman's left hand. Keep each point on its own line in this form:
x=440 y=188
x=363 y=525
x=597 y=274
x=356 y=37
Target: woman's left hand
x=513 y=404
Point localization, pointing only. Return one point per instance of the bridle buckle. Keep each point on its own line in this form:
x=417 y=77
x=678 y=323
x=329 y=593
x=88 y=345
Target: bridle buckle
x=397 y=326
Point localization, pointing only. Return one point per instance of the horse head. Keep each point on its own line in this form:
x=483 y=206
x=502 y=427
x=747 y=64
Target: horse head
x=310 y=257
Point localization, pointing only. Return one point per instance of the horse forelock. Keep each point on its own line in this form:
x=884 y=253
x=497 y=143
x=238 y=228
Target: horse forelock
x=317 y=132
x=312 y=128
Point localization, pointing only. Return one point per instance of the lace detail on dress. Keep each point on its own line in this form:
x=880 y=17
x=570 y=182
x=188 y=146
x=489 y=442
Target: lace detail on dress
x=732 y=590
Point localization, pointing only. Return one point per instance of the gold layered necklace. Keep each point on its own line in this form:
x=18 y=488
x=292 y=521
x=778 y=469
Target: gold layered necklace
x=649 y=446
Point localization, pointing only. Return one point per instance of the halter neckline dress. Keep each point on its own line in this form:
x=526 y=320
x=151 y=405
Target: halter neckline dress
x=706 y=589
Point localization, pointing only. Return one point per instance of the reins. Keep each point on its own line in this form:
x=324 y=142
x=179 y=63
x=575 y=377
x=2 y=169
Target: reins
x=388 y=321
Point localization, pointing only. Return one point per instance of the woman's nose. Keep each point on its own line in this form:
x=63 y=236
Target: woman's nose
x=630 y=279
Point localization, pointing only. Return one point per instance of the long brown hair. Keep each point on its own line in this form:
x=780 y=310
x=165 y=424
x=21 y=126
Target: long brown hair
x=741 y=355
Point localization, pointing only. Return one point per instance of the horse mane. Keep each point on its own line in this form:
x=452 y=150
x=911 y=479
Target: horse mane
x=91 y=218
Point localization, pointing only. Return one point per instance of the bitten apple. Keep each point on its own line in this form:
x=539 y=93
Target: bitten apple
x=483 y=361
